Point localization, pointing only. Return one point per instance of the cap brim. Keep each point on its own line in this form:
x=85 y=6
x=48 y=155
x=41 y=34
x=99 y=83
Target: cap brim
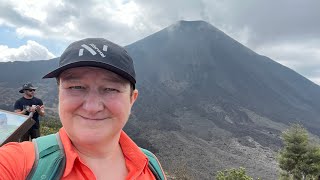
x=21 y=91
x=55 y=73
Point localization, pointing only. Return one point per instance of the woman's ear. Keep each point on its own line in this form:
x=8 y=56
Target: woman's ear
x=134 y=96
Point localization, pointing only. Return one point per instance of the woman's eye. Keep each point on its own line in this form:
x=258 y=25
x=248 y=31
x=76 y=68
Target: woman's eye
x=111 y=90
x=76 y=87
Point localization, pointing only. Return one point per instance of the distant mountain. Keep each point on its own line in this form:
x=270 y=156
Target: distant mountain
x=206 y=102
x=18 y=72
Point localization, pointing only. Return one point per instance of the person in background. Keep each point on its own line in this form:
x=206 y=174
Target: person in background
x=96 y=88
x=27 y=104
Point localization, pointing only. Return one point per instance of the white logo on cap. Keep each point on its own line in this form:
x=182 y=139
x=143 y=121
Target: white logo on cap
x=93 y=49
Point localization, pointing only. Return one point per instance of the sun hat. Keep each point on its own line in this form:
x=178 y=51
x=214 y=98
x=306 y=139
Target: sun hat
x=27 y=86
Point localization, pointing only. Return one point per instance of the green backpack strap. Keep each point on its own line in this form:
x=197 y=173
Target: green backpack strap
x=50 y=158
x=154 y=165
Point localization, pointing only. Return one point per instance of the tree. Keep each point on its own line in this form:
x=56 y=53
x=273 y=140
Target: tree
x=233 y=174
x=298 y=158
x=311 y=164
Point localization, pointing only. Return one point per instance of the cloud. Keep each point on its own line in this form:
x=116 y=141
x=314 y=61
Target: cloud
x=130 y=20
x=119 y=21
x=268 y=27
x=31 y=51
x=303 y=57
x=12 y=17
x=25 y=31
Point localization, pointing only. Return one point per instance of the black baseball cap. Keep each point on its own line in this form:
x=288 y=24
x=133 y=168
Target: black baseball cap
x=27 y=86
x=96 y=52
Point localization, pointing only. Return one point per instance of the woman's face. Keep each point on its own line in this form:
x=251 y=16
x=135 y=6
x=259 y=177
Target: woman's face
x=94 y=104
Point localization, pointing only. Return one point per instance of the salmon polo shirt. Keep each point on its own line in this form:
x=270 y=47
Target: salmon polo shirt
x=16 y=160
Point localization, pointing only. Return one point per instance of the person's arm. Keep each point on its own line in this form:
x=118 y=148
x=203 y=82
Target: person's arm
x=40 y=110
x=18 y=108
x=16 y=160
x=20 y=112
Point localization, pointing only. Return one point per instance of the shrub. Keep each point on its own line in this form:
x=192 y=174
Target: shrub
x=233 y=174
x=49 y=126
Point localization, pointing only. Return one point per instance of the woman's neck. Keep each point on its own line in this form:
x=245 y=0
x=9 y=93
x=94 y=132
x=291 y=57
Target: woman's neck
x=104 y=161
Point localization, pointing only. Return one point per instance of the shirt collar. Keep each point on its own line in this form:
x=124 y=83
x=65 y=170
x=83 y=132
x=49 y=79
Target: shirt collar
x=136 y=160
x=69 y=150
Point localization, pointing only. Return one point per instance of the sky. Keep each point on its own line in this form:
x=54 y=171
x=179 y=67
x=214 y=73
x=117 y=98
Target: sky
x=287 y=31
